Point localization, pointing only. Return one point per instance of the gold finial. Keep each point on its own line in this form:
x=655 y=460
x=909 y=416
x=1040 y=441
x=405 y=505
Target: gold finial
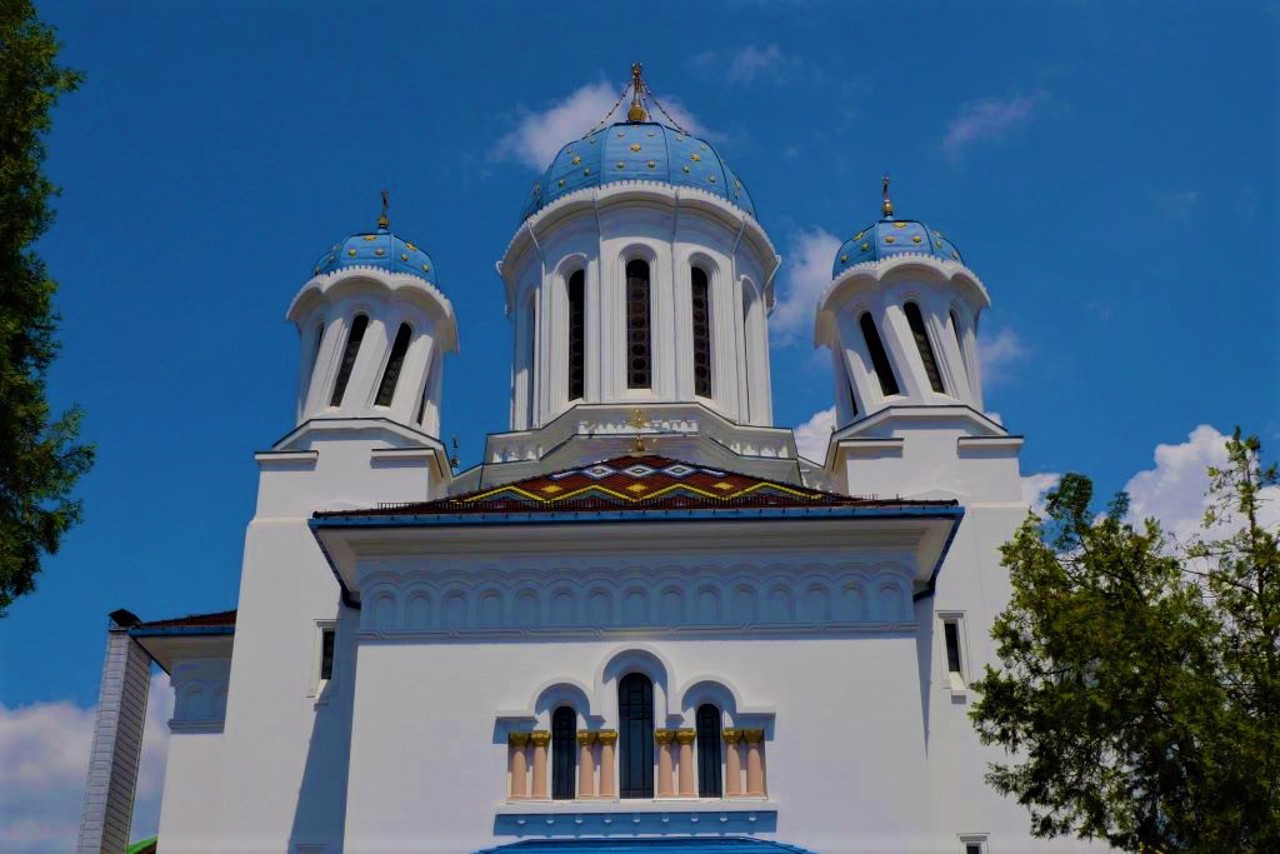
x=637 y=113
x=888 y=202
x=638 y=422
x=384 y=221
x=453 y=458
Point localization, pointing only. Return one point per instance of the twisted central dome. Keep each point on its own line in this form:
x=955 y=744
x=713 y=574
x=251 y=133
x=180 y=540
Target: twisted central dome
x=638 y=151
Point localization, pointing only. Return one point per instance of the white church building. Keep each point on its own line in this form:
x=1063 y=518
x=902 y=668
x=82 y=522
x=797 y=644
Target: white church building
x=643 y=623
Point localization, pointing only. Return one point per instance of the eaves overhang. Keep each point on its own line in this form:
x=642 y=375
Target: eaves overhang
x=164 y=644
x=337 y=535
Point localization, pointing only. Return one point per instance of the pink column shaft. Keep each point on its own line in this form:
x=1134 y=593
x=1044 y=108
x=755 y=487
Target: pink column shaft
x=540 y=739
x=519 y=765
x=755 y=763
x=586 y=764
x=664 y=737
x=608 y=777
x=685 y=738
x=732 y=764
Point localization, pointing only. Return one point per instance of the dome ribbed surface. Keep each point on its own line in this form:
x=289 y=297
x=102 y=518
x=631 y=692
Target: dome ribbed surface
x=637 y=151
x=379 y=249
x=890 y=237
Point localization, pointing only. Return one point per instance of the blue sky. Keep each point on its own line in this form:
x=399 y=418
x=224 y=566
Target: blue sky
x=1108 y=169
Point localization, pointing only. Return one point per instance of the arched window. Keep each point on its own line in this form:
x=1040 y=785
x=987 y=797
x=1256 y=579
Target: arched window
x=358 y=326
x=879 y=358
x=577 y=335
x=916 y=322
x=395 y=363
x=701 y=333
x=955 y=327
x=639 y=368
x=709 y=751
x=748 y=300
x=315 y=359
x=635 y=736
x=564 y=730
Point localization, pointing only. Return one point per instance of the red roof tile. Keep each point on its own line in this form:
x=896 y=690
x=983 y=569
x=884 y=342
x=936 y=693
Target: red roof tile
x=219 y=618
x=633 y=482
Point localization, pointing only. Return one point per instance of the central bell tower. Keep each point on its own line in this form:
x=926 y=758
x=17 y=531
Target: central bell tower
x=639 y=285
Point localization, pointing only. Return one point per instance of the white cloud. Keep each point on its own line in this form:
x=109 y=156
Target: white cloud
x=539 y=136
x=989 y=118
x=1177 y=206
x=749 y=61
x=813 y=435
x=44 y=760
x=807 y=277
x=1035 y=487
x=997 y=355
x=1175 y=491
x=742 y=65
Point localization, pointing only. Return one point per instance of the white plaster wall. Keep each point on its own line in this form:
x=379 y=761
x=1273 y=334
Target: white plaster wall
x=191 y=807
x=845 y=760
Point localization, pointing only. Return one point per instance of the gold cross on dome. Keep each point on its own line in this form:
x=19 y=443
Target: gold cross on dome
x=638 y=422
x=384 y=221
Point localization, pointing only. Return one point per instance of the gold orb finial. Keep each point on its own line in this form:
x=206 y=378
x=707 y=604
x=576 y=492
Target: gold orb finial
x=887 y=207
x=384 y=221
x=637 y=113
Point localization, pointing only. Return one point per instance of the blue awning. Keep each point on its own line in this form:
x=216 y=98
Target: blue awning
x=650 y=845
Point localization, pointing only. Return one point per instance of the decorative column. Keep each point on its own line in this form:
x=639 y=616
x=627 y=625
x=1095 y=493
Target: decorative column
x=519 y=764
x=586 y=764
x=732 y=763
x=540 y=738
x=664 y=737
x=755 y=762
x=608 y=776
x=685 y=738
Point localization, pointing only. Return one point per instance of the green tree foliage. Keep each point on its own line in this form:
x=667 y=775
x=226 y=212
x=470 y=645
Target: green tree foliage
x=1139 y=693
x=40 y=458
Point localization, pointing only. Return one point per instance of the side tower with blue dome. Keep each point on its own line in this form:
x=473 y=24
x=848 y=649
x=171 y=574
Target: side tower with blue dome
x=375 y=329
x=639 y=283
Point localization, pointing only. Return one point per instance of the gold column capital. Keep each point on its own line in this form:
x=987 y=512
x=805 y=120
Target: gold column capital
x=607 y=736
x=664 y=736
x=731 y=735
x=586 y=737
x=517 y=739
x=686 y=736
x=540 y=737
x=753 y=736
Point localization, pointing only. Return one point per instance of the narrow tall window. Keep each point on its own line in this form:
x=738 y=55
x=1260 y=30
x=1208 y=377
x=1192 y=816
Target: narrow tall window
x=564 y=724
x=358 y=326
x=577 y=335
x=639 y=368
x=955 y=327
x=395 y=363
x=879 y=358
x=635 y=736
x=701 y=334
x=315 y=359
x=709 y=751
x=327 y=637
x=955 y=651
x=916 y=322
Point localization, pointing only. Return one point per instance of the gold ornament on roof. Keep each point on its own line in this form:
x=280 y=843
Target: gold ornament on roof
x=384 y=221
x=887 y=206
x=638 y=422
x=637 y=113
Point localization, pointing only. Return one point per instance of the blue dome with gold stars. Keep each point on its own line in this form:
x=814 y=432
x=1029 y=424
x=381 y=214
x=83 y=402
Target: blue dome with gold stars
x=890 y=237
x=638 y=151
x=379 y=249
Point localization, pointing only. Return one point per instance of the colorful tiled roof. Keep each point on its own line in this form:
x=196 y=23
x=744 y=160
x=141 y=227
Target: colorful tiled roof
x=633 y=482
